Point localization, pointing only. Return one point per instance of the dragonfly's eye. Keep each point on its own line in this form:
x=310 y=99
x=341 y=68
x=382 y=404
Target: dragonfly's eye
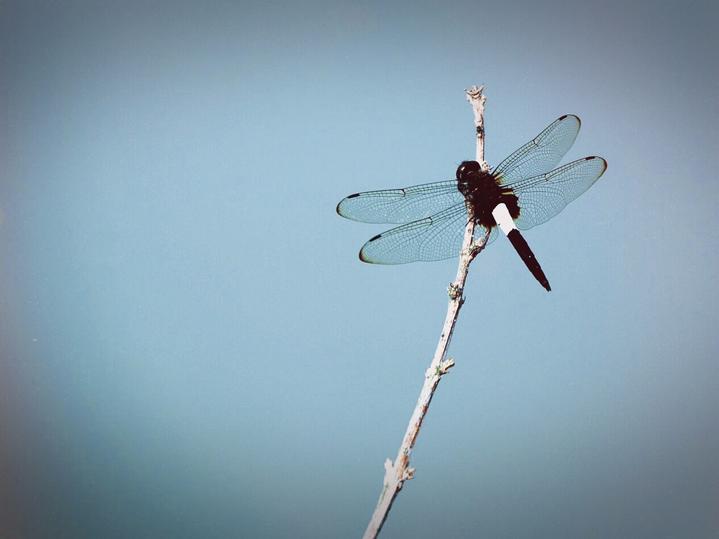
x=467 y=167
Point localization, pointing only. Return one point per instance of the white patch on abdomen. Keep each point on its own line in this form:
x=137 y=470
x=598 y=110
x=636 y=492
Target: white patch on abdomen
x=503 y=218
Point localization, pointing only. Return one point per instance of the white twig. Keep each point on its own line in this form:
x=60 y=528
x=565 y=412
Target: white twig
x=399 y=471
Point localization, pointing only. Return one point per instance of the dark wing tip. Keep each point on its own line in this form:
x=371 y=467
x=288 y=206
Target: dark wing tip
x=362 y=255
x=363 y=258
x=338 y=209
x=579 y=121
x=604 y=161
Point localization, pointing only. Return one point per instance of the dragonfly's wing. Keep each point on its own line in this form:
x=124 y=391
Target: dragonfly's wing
x=542 y=197
x=432 y=238
x=542 y=153
x=397 y=206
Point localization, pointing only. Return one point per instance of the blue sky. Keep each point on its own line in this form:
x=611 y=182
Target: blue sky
x=189 y=346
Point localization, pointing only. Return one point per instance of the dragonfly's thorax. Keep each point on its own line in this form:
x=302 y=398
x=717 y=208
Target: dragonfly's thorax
x=483 y=191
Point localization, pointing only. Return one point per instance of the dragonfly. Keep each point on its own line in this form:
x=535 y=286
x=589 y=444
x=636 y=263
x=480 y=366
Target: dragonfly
x=523 y=191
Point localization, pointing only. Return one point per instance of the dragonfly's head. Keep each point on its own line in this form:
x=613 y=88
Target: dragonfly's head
x=467 y=177
x=466 y=168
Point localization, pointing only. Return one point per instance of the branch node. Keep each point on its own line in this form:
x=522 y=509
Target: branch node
x=454 y=291
x=408 y=474
x=445 y=366
x=475 y=248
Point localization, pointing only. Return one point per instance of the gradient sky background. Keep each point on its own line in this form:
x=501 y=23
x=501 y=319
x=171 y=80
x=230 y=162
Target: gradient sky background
x=190 y=347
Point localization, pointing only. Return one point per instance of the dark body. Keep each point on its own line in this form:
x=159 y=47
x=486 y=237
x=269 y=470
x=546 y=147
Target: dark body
x=483 y=191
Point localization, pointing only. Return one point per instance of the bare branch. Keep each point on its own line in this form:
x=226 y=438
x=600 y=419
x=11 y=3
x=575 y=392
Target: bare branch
x=399 y=471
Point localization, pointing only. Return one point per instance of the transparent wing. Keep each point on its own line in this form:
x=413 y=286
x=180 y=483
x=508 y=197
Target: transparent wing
x=432 y=238
x=397 y=206
x=542 y=197
x=542 y=153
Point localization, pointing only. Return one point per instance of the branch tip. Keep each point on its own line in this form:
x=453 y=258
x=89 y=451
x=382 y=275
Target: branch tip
x=473 y=92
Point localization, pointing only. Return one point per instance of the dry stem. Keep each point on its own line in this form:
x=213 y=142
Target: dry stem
x=397 y=472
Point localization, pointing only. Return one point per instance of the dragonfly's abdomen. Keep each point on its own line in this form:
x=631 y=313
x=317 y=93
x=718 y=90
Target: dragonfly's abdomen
x=483 y=190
